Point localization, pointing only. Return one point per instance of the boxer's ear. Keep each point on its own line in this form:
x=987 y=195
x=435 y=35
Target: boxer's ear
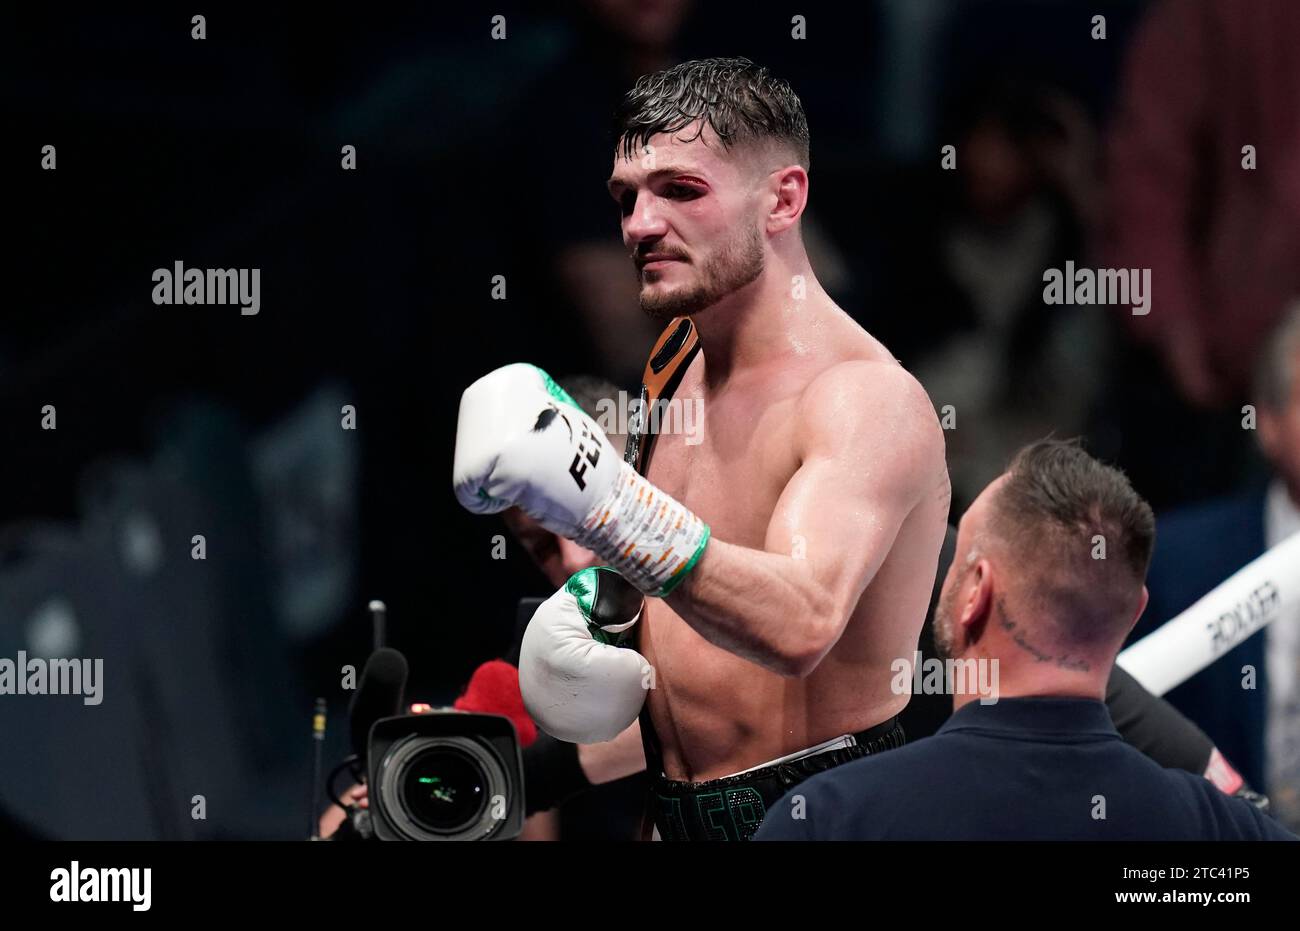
x=790 y=187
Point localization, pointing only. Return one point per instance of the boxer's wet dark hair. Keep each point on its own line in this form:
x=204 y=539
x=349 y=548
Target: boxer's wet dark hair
x=1081 y=535
x=741 y=101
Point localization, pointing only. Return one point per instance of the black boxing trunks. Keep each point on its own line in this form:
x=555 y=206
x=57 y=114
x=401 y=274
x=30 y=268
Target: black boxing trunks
x=732 y=808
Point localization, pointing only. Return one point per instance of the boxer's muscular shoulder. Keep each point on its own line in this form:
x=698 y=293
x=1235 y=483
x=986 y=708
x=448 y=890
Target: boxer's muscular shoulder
x=871 y=402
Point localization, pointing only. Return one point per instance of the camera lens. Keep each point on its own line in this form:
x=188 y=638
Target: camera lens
x=448 y=787
x=444 y=789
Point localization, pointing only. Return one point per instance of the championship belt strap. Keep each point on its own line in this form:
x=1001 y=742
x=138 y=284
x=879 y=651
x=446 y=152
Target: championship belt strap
x=669 y=360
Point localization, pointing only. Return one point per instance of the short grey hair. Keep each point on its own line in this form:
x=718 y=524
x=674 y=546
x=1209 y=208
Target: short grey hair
x=1275 y=371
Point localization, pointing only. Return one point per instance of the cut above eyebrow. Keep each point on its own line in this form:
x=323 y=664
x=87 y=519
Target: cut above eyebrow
x=614 y=183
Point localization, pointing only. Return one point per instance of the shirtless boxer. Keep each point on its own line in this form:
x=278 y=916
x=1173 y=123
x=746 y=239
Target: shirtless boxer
x=789 y=555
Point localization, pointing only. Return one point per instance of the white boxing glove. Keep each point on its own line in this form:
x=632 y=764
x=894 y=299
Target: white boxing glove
x=521 y=440
x=577 y=682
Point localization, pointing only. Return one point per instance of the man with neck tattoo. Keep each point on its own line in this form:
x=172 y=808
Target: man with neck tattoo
x=1047 y=580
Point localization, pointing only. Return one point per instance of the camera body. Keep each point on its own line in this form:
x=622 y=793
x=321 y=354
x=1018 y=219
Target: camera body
x=446 y=775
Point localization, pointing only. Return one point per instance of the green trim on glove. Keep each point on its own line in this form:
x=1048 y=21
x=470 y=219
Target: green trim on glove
x=586 y=589
x=554 y=390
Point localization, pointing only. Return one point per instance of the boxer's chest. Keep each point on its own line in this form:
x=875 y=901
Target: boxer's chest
x=727 y=458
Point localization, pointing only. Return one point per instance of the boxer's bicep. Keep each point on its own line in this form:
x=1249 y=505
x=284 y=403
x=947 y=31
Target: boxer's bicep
x=869 y=444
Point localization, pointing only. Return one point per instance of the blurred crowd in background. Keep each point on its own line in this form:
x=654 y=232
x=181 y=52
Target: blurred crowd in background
x=479 y=158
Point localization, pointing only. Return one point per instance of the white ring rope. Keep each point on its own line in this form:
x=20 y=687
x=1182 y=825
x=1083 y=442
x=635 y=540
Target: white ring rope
x=1249 y=600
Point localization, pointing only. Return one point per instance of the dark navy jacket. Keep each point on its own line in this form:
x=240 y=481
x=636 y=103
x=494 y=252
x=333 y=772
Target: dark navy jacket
x=1196 y=549
x=1020 y=769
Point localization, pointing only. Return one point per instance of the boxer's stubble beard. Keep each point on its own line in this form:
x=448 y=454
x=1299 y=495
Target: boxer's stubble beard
x=729 y=268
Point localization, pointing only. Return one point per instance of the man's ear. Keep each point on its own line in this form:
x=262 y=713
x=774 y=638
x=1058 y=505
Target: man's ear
x=977 y=600
x=790 y=187
x=1142 y=606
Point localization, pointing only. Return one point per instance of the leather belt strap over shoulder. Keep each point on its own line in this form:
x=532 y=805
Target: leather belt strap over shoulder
x=668 y=362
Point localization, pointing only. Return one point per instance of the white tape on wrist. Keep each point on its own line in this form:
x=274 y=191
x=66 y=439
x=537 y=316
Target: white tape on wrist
x=652 y=539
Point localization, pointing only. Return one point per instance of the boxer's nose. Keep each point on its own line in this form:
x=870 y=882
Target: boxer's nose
x=645 y=223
